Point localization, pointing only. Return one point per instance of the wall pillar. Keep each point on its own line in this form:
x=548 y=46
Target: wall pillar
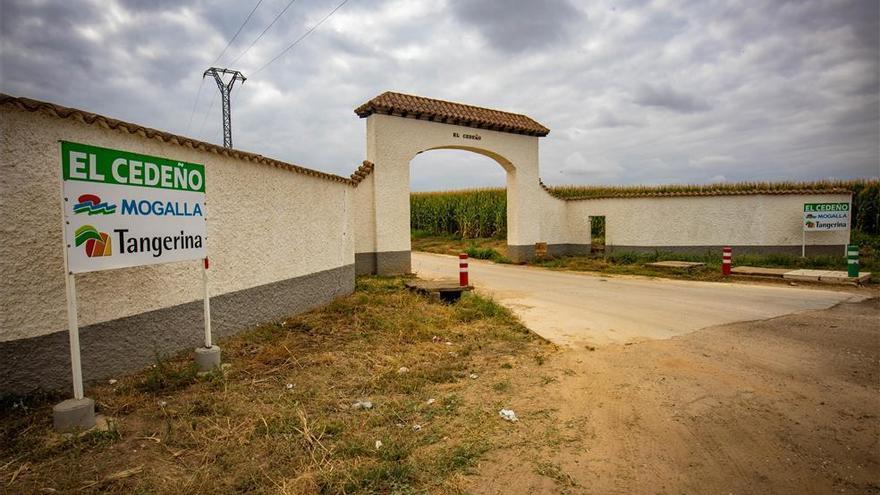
x=523 y=207
x=391 y=155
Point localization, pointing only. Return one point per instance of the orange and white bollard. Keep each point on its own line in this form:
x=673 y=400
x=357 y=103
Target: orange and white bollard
x=726 y=261
x=463 y=269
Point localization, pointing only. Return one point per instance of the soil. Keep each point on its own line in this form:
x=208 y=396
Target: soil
x=786 y=405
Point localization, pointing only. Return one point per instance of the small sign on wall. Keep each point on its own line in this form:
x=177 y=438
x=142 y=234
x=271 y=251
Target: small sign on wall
x=123 y=209
x=826 y=216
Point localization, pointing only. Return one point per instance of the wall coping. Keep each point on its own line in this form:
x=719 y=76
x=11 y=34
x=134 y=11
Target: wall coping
x=709 y=191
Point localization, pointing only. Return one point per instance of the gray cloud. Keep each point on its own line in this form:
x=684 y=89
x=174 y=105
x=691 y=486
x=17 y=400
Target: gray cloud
x=517 y=25
x=670 y=99
x=634 y=92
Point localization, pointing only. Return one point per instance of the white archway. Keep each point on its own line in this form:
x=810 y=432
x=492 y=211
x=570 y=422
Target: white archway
x=401 y=126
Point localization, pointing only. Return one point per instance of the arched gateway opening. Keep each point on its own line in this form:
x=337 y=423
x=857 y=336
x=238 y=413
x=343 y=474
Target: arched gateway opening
x=401 y=126
x=457 y=200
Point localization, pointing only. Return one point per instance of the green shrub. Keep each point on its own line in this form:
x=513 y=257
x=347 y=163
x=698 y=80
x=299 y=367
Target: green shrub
x=485 y=254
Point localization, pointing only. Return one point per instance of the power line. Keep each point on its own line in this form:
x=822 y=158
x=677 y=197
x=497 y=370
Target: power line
x=301 y=37
x=207 y=114
x=202 y=83
x=264 y=32
x=246 y=19
x=196 y=104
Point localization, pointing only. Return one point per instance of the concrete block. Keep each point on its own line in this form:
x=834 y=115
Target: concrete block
x=671 y=265
x=844 y=278
x=803 y=275
x=826 y=276
x=757 y=271
x=208 y=358
x=74 y=414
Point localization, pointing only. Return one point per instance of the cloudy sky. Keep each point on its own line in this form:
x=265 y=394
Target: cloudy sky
x=669 y=91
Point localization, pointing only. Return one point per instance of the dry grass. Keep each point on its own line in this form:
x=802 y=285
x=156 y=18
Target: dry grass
x=279 y=419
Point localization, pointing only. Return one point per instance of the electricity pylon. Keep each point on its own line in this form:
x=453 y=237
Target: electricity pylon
x=225 y=89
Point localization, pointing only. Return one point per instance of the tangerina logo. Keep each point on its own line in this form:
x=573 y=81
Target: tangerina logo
x=92 y=204
x=96 y=243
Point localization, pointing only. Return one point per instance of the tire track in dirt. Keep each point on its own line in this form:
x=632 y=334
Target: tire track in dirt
x=788 y=405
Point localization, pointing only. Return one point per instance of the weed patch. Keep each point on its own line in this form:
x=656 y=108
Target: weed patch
x=280 y=418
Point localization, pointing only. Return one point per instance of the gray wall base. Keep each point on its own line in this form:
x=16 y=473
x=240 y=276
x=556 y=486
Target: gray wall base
x=128 y=344
x=568 y=249
x=521 y=254
x=812 y=250
x=365 y=263
x=383 y=263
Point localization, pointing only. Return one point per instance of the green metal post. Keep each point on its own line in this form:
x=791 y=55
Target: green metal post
x=852 y=260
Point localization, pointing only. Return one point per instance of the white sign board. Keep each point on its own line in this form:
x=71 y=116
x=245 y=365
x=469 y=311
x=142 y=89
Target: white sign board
x=123 y=209
x=826 y=216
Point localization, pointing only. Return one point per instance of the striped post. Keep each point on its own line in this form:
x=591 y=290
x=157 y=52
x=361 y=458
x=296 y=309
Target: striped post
x=726 y=260
x=462 y=269
x=852 y=260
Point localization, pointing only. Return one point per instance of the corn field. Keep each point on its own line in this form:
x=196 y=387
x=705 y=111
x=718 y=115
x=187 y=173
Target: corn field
x=473 y=213
x=469 y=213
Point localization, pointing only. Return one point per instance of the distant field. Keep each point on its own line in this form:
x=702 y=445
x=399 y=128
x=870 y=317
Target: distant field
x=481 y=213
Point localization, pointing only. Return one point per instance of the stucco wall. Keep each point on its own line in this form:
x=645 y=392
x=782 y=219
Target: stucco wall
x=751 y=220
x=265 y=225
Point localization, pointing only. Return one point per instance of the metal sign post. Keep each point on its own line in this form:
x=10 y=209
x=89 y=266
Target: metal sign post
x=79 y=412
x=207 y=357
x=73 y=329
x=207 y=304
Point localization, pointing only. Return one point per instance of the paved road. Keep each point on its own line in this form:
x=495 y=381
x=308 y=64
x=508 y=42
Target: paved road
x=577 y=309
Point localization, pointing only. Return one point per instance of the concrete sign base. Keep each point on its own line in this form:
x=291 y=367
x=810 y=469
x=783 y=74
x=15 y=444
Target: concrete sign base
x=74 y=414
x=208 y=358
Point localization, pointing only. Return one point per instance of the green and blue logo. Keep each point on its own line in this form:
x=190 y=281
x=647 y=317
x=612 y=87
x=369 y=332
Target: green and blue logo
x=92 y=204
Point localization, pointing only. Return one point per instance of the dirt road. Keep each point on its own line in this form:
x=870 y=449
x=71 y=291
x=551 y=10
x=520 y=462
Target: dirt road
x=577 y=309
x=786 y=405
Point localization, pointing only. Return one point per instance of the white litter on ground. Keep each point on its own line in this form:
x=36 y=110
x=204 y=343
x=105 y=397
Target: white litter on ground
x=112 y=381
x=378 y=444
x=403 y=369
x=473 y=376
x=362 y=404
x=289 y=386
x=508 y=415
x=417 y=427
x=431 y=401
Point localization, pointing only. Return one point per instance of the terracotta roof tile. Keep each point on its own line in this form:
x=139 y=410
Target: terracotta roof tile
x=89 y=118
x=419 y=107
x=362 y=172
x=686 y=191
